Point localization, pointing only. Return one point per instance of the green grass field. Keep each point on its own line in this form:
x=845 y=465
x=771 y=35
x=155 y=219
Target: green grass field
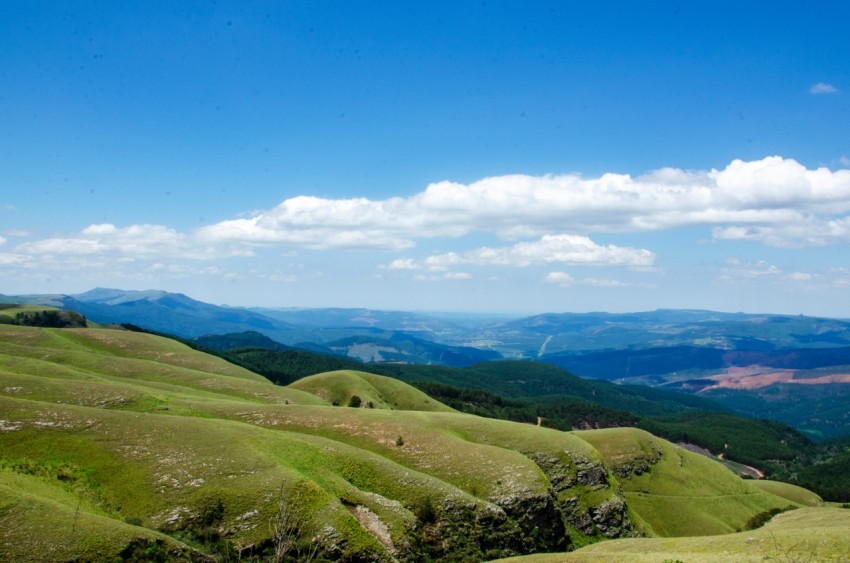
x=374 y=391
x=677 y=492
x=807 y=534
x=124 y=444
x=798 y=495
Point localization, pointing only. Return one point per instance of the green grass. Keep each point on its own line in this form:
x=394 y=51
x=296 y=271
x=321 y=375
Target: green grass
x=677 y=492
x=107 y=428
x=152 y=432
x=42 y=520
x=798 y=495
x=807 y=534
x=375 y=391
x=119 y=364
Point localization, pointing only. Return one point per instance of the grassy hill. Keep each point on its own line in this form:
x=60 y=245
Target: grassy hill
x=373 y=391
x=675 y=492
x=139 y=436
x=522 y=391
x=808 y=534
x=38 y=315
x=799 y=495
x=683 y=350
x=42 y=521
x=129 y=445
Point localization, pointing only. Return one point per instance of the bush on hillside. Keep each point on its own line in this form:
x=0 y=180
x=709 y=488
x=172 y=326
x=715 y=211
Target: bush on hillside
x=50 y=319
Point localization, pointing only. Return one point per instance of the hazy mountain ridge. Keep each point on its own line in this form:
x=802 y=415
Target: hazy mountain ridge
x=527 y=337
x=692 y=351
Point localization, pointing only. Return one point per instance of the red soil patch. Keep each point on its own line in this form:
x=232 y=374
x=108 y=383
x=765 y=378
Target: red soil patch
x=754 y=377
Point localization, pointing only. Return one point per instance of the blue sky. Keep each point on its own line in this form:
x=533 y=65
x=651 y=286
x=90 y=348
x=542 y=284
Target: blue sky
x=447 y=156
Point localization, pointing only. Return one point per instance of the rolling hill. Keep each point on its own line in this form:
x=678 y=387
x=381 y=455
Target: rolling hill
x=129 y=445
x=793 y=369
x=808 y=534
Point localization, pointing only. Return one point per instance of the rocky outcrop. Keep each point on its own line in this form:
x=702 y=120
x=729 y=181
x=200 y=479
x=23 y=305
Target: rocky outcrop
x=572 y=478
x=639 y=464
x=507 y=526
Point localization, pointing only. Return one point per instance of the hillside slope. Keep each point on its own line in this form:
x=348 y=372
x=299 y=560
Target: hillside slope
x=808 y=534
x=374 y=391
x=676 y=492
x=162 y=451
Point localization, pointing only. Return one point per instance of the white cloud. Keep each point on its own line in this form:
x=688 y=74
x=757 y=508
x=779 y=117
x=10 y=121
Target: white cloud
x=564 y=279
x=8 y=259
x=135 y=240
x=773 y=201
x=564 y=249
x=403 y=264
x=443 y=276
x=800 y=276
x=808 y=231
x=281 y=277
x=186 y=270
x=17 y=233
x=770 y=191
x=603 y=282
x=559 y=278
x=738 y=270
x=2 y=241
x=314 y=222
x=823 y=88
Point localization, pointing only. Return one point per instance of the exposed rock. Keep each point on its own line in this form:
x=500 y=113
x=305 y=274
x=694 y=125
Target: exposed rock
x=638 y=465
x=372 y=524
x=570 y=476
x=610 y=517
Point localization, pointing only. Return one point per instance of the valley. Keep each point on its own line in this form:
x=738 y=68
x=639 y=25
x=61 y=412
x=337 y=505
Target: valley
x=689 y=351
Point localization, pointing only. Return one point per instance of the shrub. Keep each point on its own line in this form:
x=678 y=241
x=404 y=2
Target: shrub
x=763 y=518
x=424 y=510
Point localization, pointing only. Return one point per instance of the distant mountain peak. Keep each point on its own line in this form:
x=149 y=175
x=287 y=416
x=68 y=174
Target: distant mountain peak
x=112 y=296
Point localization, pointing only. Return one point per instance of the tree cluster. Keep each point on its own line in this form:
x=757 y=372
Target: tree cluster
x=50 y=319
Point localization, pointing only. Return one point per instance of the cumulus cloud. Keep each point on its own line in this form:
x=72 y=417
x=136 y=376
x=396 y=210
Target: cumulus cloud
x=564 y=279
x=404 y=264
x=823 y=88
x=771 y=191
x=8 y=259
x=559 y=278
x=774 y=201
x=314 y=222
x=736 y=268
x=808 y=231
x=443 y=276
x=564 y=249
x=603 y=282
x=801 y=276
x=135 y=240
x=740 y=270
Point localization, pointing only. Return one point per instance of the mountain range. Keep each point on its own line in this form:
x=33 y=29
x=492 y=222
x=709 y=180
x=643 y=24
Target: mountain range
x=790 y=368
